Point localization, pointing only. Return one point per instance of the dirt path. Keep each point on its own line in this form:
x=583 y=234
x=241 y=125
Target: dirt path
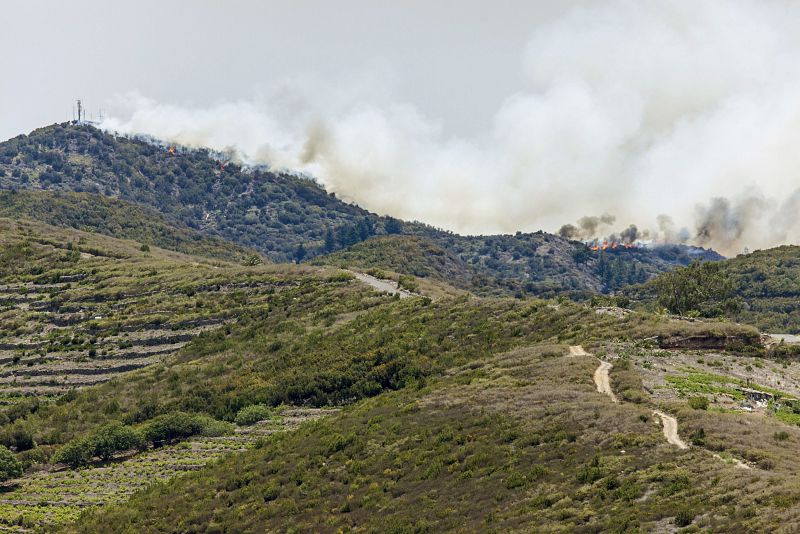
x=671 y=430
x=385 y=286
x=602 y=381
x=577 y=350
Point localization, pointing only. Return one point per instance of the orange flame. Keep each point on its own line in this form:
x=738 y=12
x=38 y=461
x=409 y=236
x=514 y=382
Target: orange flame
x=612 y=245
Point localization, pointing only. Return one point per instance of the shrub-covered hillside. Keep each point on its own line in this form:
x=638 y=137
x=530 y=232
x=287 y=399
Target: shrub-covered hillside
x=280 y=396
x=516 y=442
x=415 y=256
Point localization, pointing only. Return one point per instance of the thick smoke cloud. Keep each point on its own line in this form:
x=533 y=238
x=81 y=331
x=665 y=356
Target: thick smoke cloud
x=587 y=227
x=740 y=223
x=632 y=108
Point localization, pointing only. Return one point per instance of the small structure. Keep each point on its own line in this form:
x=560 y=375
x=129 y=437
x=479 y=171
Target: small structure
x=757 y=396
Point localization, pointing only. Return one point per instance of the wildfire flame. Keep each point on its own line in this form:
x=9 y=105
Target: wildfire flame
x=171 y=150
x=612 y=245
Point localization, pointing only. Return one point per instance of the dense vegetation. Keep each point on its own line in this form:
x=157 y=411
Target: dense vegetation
x=761 y=288
x=291 y=218
x=272 y=212
x=415 y=256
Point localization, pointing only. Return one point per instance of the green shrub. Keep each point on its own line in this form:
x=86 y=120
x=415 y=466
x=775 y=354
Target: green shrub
x=75 y=453
x=113 y=438
x=103 y=443
x=781 y=436
x=252 y=414
x=698 y=403
x=21 y=438
x=634 y=396
x=684 y=517
x=252 y=260
x=271 y=492
x=35 y=456
x=698 y=437
x=10 y=467
x=116 y=437
x=408 y=283
x=591 y=472
x=174 y=426
x=212 y=427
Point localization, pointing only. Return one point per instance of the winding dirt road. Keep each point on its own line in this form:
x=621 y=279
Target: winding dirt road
x=671 y=430
x=384 y=286
x=577 y=350
x=602 y=381
x=669 y=423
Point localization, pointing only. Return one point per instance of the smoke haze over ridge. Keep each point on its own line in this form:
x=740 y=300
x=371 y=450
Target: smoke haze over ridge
x=652 y=112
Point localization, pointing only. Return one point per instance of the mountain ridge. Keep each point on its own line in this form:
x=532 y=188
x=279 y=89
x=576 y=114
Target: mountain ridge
x=291 y=218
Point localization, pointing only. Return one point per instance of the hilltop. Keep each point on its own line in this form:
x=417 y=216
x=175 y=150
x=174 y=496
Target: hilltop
x=292 y=218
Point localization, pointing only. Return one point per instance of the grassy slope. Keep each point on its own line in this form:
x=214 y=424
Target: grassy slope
x=115 y=218
x=768 y=282
x=121 y=309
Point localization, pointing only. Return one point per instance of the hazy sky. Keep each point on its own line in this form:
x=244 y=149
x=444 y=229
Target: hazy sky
x=680 y=116
x=456 y=60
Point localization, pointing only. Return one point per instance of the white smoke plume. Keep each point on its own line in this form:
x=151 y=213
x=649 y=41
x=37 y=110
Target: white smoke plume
x=633 y=108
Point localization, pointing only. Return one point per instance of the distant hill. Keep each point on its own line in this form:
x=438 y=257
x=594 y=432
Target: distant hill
x=534 y=263
x=768 y=284
x=544 y=264
x=291 y=218
x=272 y=212
x=116 y=218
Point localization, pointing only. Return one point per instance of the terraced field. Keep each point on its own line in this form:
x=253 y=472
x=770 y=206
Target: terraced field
x=80 y=310
x=49 y=498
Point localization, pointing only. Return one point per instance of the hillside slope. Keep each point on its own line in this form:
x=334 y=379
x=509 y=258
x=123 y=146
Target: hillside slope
x=272 y=212
x=116 y=218
x=516 y=442
x=290 y=218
